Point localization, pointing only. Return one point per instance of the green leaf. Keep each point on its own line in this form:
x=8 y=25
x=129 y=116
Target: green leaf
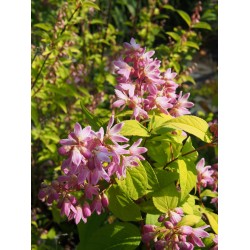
x=86 y=230
x=187 y=173
x=52 y=137
x=52 y=147
x=135 y=183
x=120 y=235
x=134 y=128
x=88 y=4
x=62 y=105
x=185 y=16
x=93 y=121
x=152 y=219
x=213 y=220
x=155 y=149
x=193 y=125
x=169 y=201
x=44 y=26
x=157 y=120
x=151 y=176
x=208 y=193
x=169 y=7
x=174 y=35
x=188 y=147
x=202 y=25
x=34 y=114
x=176 y=65
x=187 y=178
x=56 y=214
x=189 y=220
x=121 y=205
x=192 y=45
x=148 y=207
x=187 y=209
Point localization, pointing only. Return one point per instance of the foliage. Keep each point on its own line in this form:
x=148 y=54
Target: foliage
x=74 y=45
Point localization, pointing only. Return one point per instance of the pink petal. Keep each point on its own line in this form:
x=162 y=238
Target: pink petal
x=120 y=95
x=78 y=129
x=118 y=103
x=76 y=156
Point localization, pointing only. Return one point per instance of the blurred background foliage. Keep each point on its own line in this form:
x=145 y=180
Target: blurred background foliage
x=73 y=46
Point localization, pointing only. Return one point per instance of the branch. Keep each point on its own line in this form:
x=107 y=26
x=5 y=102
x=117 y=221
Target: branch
x=211 y=144
x=46 y=58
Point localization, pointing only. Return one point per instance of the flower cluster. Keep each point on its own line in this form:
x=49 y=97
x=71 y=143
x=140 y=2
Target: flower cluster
x=92 y=159
x=142 y=87
x=172 y=236
x=204 y=177
x=207 y=176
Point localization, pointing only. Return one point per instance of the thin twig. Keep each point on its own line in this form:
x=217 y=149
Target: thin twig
x=190 y=152
x=46 y=58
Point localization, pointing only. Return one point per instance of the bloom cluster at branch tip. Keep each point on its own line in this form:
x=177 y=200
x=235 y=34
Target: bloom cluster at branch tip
x=142 y=87
x=208 y=176
x=204 y=177
x=172 y=236
x=92 y=159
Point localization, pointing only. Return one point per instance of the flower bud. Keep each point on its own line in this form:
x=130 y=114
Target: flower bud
x=161 y=218
x=168 y=225
x=86 y=209
x=179 y=210
x=146 y=238
x=105 y=200
x=148 y=228
x=174 y=217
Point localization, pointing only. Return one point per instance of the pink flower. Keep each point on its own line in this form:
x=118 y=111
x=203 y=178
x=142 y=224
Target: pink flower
x=122 y=68
x=79 y=215
x=169 y=75
x=142 y=87
x=204 y=174
x=180 y=107
x=113 y=133
x=169 y=235
x=137 y=151
x=132 y=46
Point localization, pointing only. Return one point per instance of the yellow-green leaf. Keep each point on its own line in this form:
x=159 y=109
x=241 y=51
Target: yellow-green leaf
x=193 y=125
x=185 y=16
x=134 y=128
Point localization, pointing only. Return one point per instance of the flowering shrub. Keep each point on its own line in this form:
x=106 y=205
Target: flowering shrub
x=138 y=168
x=141 y=167
x=92 y=158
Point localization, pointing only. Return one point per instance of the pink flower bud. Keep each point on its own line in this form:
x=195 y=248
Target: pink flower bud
x=179 y=210
x=168 y=225
x=148 y=228
x=161 y=218
x=174 y=217
x=86 y=209
x=105 y=200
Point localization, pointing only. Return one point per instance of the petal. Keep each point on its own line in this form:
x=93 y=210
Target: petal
x=111 y=122
x=77 y=129
x=116 y=128
x=118 y=103
x=197 y=241
x=67 y=142
x=120 y=95
x=200 y=164
x=76 y=156
x=118 y=138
